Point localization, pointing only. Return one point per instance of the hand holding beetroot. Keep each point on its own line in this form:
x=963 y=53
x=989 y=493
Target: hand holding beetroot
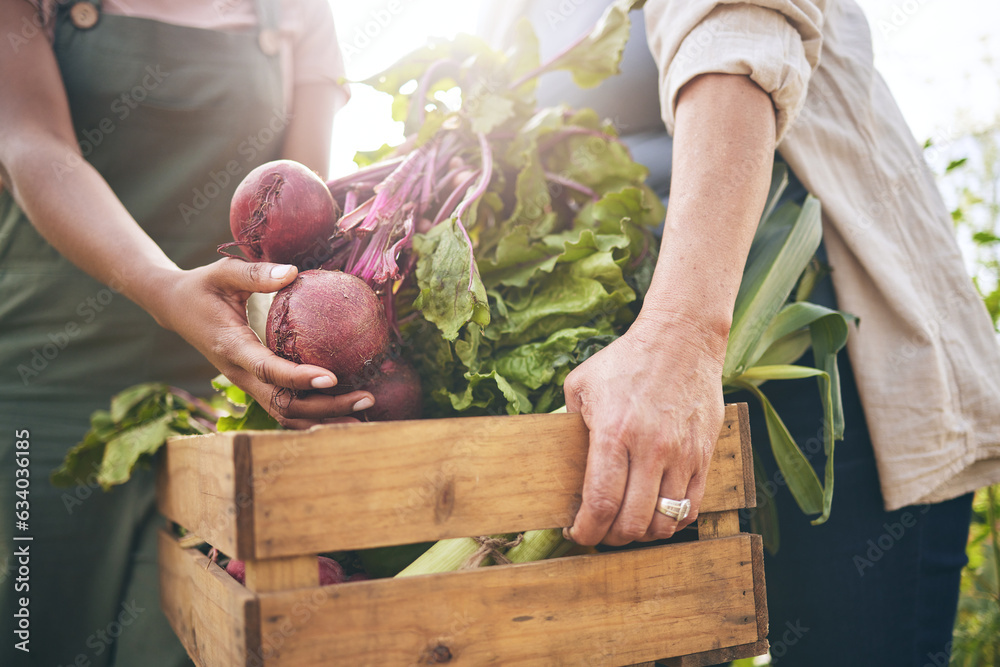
x=207 y=306
x=327 y=329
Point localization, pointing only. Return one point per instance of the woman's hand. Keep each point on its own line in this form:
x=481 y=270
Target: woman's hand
x=207 y=306
x=653 y=403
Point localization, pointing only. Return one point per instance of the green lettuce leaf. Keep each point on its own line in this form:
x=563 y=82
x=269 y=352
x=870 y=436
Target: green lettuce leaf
x=582 y=293
x=442 y=272
x=536 y=364
x=124 y=450
x=598 y=55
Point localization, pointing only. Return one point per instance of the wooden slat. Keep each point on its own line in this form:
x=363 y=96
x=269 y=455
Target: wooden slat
x=759 y=586
x=433 y=479
x=282 y=574
x=213 y=615
x=717 y=656
x=605 y=609
x=718 y=524
x=746 y=451
x=197 y=488
x=752 y=649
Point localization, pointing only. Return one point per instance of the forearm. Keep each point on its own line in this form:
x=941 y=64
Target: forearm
x=76 y=211
x=311 y=129
x=722 y=158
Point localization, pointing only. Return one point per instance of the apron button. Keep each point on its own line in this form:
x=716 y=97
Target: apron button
x=269 y=42
x=84 y=15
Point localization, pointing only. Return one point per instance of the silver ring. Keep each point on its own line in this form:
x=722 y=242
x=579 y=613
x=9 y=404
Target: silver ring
x=675 y=509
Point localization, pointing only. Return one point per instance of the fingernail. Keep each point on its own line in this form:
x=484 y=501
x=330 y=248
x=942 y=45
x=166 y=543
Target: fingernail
x=280 y=271
x=566 y=535
x=363 y=404
x=322 y=382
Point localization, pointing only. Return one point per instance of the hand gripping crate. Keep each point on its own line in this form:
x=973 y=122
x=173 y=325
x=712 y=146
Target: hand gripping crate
x=275 y=499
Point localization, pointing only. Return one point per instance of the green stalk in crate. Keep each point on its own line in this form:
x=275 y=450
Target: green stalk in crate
x=448 y=555
x=539 y=545
x=455 y=554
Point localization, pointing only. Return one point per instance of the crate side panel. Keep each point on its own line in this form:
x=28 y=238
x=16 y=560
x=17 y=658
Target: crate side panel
x=604 y=609
x=213 y=615
x=416 y=481
x=197 y=488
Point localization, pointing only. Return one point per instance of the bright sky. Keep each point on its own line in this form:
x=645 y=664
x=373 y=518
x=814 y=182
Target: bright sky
x=941 y=59
x=373 y=35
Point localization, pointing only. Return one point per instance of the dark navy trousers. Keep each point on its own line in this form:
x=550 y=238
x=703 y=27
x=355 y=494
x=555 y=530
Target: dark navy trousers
x=868 y=587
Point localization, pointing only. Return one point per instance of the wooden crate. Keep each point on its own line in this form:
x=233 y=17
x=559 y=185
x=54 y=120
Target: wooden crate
x=276 y=499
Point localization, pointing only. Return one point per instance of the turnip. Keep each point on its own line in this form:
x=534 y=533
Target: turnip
x=283 y=212
x=329 y=319
x=397 y=392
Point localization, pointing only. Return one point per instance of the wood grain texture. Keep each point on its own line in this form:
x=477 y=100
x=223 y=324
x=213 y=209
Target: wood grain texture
x=729 y=653
x=759 y=585
x=427 y=480
x=717 y=656
x=214 y=616
x=718 y=524
x=604 y=609
x=746 y=449
x=282 y=574
x=198 y=487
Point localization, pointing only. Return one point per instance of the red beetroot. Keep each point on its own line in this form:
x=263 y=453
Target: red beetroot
x=237 y=569
x=283 y=212
x=330 y=572
x=397 y=392
x=329 y=319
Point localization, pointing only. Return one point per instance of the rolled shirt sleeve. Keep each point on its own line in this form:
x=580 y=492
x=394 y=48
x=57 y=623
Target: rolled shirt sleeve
x=775 y=42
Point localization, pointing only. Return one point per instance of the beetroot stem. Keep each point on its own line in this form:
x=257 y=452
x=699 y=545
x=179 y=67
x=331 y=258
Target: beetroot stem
x=448 y=207
x=484 y=181
x=571 y=184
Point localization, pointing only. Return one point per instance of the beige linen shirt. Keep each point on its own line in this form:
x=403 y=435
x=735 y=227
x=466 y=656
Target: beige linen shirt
x=925 y=355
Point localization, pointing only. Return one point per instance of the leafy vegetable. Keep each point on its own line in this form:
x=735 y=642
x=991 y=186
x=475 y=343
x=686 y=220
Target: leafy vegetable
x=141 y=419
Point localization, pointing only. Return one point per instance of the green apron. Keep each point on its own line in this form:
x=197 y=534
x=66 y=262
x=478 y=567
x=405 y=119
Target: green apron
x=173 y=118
